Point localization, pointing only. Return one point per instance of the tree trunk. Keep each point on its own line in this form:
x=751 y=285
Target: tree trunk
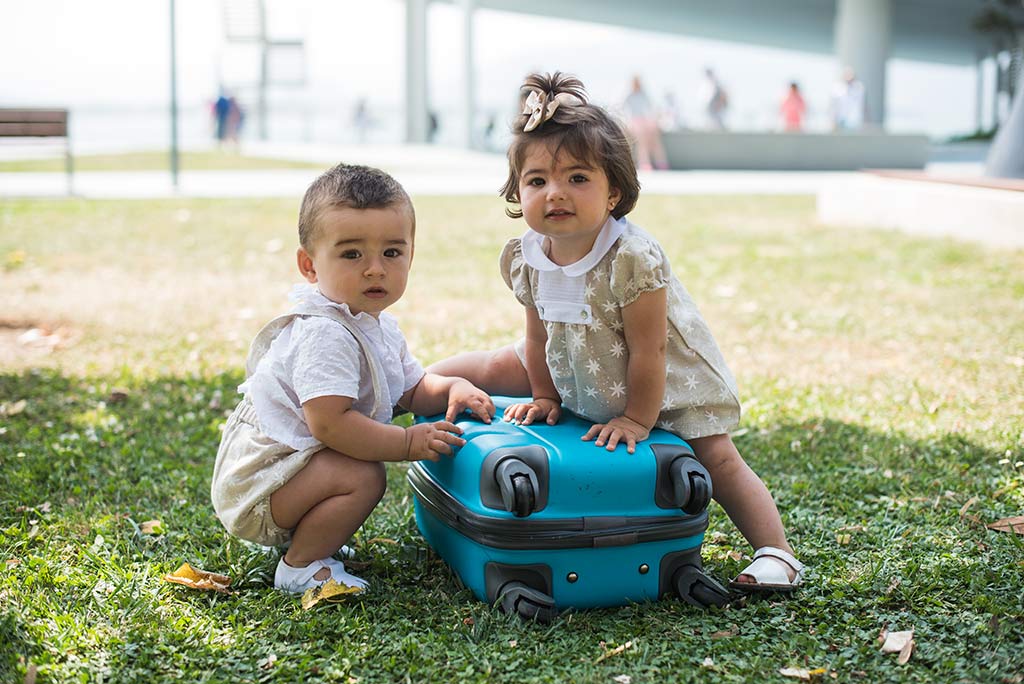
x=1006 y=157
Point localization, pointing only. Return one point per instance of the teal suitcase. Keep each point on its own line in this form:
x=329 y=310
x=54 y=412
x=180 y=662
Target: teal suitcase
x=536 y=521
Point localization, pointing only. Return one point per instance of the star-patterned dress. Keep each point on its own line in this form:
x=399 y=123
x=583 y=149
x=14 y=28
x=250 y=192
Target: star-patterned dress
x=581 y=308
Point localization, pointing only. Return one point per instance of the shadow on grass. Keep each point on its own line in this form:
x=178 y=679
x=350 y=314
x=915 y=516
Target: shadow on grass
x=891 y=526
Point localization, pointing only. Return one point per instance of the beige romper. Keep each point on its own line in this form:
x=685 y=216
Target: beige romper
x=251 y=466
x=586 y=349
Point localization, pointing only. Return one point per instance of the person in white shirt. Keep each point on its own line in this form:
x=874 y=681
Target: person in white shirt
x=301 y=458
x=848 y=104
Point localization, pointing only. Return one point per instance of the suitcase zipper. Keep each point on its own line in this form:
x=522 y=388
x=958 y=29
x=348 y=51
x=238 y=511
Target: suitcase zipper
x=551 y=533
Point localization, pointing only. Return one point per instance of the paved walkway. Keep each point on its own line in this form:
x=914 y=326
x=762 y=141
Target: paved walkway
x=423 y=170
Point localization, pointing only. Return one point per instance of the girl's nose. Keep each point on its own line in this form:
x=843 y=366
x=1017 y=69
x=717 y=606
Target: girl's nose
x=556 y=190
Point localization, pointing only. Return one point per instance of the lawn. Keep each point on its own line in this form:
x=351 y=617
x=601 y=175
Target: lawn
x=189 y=160
x=883 y=387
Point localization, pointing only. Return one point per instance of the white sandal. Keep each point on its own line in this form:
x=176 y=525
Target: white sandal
x=298 y=580
x=769 y=572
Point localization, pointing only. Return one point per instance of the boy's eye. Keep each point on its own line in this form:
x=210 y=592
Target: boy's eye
x=392 y=252
x=351 y=254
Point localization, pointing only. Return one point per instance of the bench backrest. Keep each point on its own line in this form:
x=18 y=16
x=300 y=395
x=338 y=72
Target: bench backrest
x=33 y=123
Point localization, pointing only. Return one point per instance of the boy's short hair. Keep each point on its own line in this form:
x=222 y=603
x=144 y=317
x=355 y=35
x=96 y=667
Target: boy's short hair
x=349 y=186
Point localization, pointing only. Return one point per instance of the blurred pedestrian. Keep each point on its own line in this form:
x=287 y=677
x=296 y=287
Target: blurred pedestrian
x=643 y=124
x=793 y=109
x=715 y=100
x=848 y=106
x=361 y=120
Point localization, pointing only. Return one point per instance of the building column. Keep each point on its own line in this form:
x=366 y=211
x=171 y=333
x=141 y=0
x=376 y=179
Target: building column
x=468 y=79
x=862 y=38
x=416 y=113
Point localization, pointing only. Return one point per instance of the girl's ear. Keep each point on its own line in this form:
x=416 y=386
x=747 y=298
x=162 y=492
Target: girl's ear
x=305 y=262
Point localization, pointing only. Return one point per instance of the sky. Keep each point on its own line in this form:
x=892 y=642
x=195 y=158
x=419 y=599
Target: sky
x=109 y=60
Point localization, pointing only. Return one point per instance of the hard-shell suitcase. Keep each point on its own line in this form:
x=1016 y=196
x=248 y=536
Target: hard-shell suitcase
x=535 y=519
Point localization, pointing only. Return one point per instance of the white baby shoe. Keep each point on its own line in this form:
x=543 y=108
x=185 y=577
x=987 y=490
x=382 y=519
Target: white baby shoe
x=298 y=580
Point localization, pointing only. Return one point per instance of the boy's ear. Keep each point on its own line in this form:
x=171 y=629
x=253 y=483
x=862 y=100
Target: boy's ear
x=305 y=262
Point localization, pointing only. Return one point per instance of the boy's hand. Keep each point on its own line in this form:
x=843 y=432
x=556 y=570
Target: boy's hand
x=429 y=441
x=621 y=429
x=539 y=408
x=465 y=395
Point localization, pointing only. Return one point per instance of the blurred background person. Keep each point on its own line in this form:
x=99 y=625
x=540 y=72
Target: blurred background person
x=714 y=99
x=670 y=118
x=848 y=106
x=793 y=109
x=642 y=120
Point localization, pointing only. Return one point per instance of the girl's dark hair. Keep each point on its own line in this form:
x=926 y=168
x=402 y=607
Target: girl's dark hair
x=583 y=130
x=349 y=186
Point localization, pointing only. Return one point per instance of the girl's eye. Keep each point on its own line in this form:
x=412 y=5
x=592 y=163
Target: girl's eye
x=392 y=252
x=350 y=254
x=536 y=181
x=578 y=178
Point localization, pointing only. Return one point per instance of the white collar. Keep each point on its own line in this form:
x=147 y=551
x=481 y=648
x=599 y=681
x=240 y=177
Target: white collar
x=310 y=294
x=533 y=249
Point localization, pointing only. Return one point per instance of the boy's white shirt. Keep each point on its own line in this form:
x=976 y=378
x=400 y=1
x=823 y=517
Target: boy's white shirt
x=316 y=357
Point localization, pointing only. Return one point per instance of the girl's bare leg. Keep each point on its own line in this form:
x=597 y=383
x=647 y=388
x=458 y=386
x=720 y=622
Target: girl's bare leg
x=742 y=494
x=325 y=503
x=497 y=371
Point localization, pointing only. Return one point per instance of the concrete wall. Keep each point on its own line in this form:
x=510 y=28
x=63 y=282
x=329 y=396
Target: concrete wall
x=794 y=151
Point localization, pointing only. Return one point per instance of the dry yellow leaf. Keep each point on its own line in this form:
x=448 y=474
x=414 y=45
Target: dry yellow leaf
x=906 y=651
x=325 y=592
x=1014 y=524
x=614 y=652
x=190 y=577
x=803 y=673
x=895 y=642
x=151 y=527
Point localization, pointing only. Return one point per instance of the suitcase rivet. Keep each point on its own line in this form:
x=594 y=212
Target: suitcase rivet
x=644 y=568
x=572 y=577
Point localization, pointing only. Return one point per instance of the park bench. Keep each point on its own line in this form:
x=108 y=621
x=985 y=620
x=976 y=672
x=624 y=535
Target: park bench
x=39 y=123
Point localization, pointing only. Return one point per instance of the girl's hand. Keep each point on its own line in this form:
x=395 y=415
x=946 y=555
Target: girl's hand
x=539 y=408
x=465 y=395
x=621 y=429
x=429 y=441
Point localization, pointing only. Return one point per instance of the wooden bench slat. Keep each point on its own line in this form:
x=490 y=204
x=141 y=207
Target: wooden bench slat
x=34 y=116
x=33 y=130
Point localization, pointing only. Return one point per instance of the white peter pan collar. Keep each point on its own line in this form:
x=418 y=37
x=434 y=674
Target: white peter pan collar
x=533 y=249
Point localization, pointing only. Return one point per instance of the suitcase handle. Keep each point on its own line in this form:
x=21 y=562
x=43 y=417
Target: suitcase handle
x=518 y=485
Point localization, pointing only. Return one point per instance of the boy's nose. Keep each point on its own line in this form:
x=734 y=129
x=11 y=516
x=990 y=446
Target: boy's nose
x=375 y=267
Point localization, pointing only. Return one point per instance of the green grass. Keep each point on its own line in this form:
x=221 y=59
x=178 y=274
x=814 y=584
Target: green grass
x=209 y=160
x=883 y=387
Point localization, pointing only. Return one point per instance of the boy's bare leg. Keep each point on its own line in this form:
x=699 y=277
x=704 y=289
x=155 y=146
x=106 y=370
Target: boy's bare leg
x=742 y=494
x=497 y=371
x=325 y=503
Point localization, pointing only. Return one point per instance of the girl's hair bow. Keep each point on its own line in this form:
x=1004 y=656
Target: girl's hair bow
x=541 y=108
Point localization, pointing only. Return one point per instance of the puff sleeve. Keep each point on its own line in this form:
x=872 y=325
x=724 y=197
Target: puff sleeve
x=639 y=266
x=515 y=272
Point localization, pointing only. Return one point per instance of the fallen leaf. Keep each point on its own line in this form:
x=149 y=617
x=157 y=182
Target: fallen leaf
x=614 y=652
x=722 y=634
x=30 y=673
x=327 y=591
x=707 y=662
x=1014 y=524
x=190 y=577
x=382 y=540
x=906 y=652
x=151 y=527
x=843 y=539
x=43 y=507
x=894 y=642
x=513 y=643
x=803 y=673
x=13 y=408
x=268 y=662
x=622 y=679
x=970 y=502
x=11 y=562
x=117 y=396
x=469 y=622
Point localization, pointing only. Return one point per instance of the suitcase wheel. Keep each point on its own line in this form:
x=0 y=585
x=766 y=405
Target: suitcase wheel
x=698 y=589
x=517 y=482
x=527 y=602
x=691 y=485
